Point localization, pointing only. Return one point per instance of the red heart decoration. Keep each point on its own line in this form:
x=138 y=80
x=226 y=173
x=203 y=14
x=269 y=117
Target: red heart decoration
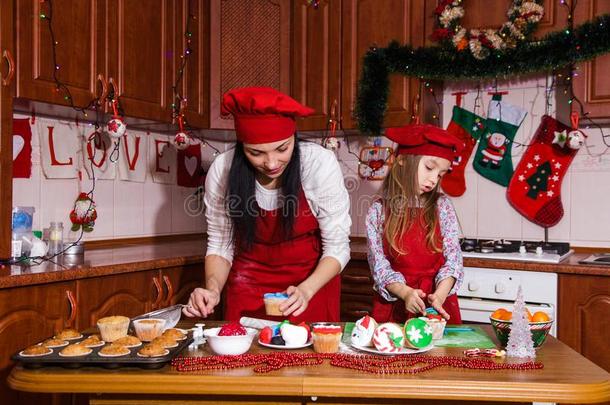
x=376 y=164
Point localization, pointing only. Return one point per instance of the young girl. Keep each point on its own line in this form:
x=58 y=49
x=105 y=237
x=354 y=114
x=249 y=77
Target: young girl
x=413 y=233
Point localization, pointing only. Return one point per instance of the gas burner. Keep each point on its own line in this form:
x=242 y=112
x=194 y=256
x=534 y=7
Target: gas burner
x=515 y=249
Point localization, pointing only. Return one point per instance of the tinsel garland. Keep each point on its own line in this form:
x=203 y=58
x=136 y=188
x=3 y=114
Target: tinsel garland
x=556 y=50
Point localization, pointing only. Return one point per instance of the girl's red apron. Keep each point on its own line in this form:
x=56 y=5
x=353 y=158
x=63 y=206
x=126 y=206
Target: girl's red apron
x=275 y=263
x=419 y=266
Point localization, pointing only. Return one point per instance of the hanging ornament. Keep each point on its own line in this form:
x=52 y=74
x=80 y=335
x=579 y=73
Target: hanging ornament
x=560 y=138
x=181 y=141
x=314 y=3
x=576 y=138
x=116 y=127
x=83 y=214
x=330 y=141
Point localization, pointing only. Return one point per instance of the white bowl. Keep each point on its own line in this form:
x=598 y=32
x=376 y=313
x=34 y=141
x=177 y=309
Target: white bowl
x=229 y=345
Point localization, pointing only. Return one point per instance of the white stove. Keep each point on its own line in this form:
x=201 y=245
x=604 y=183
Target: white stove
x=524 y=251
x=522 y=257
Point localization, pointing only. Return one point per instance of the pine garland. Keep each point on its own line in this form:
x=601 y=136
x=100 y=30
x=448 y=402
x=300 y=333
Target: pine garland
x=556 y=50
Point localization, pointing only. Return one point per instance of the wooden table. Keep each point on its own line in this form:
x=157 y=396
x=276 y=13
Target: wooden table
x=567 y=377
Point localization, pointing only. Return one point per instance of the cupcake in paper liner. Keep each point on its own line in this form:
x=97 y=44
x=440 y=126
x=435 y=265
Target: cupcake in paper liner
x=273 y=301
x=437 y=325
x=326 y=338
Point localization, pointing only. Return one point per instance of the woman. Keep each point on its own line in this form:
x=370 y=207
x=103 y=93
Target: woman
x=278 y=216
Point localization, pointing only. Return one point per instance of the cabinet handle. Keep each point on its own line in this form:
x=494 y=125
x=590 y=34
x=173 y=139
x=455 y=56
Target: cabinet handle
x=356 y=279
x=170 y=289
x=73 y=308
x=159 y=289
x=102 y=97
x=6 y=54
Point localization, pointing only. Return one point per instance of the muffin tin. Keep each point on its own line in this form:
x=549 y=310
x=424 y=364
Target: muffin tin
x=94 y=359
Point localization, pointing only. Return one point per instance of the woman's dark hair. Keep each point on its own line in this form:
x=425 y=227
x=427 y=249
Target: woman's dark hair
x=241 y=199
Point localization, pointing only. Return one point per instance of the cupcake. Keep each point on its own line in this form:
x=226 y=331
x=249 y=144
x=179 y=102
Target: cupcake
x=113 y=350
x=362 y=334
x=92 y=341
x=128 y=341
x=148 y=329
x=75 y=350
x=52 y=342
x=113 y=327
x=68 y=334
x=326 y=338
x=437 y=325
x=388 y=338
x=174 y=333
x=36 y=350
x=273 y=301
x=151 y=350
x=164 y=341
x=417 y=333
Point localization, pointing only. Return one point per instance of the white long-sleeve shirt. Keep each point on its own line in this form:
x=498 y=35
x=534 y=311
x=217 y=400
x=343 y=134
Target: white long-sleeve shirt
x=324 y=188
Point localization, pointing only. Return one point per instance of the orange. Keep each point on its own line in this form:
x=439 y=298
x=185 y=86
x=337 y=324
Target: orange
x=497 y=314
x=540 y=317
x=507 y=316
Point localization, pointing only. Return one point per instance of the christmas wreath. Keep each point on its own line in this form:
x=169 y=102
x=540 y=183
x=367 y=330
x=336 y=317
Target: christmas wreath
x=523 y=17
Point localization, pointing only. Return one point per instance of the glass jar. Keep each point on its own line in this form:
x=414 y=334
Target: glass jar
x=56 y=238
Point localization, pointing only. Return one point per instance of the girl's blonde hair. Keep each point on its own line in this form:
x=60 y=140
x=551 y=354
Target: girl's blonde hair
x=403 y=205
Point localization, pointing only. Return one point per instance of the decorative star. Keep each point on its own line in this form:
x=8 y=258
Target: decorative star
x=521 y=177
x=550 y=193
x=414 y=334
x=557 y=165
x=555 y=178
x=561 y=138
x=529 y=165
x=536 y=157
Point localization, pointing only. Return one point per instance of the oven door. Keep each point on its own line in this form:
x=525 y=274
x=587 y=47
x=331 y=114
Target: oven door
x=476 y=310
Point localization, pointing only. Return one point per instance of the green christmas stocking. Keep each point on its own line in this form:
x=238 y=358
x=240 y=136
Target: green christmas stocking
x=493 y=159
x=467 y=127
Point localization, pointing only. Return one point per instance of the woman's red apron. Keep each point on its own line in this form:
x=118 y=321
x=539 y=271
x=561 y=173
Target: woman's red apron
x=274 y=263
x=419 y=266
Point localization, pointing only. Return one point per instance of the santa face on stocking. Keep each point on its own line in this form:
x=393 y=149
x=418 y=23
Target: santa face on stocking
x=495 y=150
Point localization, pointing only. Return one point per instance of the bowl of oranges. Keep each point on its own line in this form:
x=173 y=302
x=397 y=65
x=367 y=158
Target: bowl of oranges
x=540 y=325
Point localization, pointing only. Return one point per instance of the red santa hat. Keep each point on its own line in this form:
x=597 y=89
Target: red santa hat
x=262 y=114
x=425 y=139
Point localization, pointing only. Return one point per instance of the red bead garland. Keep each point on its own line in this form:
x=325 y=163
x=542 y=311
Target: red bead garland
x=400 y=364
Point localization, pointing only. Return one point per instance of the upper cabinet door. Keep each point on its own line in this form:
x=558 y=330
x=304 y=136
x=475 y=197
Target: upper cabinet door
x=592 y=85
x=368 y=23
x=7 y=80
x=316 y=60
x=79 y=32
x=249 y=46
x=140 y=56
x=193 y=32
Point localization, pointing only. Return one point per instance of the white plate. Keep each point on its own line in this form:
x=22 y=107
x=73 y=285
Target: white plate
x=113 y=355
x=165 y=353
x=35 y=355
x=404 y=350
x=284 y=347
x=76 y=355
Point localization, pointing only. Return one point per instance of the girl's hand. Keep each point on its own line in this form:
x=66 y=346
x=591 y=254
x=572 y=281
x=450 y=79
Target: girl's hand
x=201 y=303
x=297 y=302
x=437 y=299
x=414 y=301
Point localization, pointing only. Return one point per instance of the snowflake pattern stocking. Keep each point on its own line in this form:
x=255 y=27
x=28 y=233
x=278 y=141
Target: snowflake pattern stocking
x=535 y=189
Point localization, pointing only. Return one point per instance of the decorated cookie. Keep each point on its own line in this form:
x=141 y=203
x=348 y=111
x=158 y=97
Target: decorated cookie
x=294 y=335
x=418 y=333
x=362 y=334
x=388 y=337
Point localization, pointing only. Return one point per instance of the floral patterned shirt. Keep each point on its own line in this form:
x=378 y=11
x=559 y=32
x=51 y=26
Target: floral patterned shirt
x=382 y=271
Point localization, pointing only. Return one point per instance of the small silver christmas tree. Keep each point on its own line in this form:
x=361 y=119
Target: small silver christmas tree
x=520 y=342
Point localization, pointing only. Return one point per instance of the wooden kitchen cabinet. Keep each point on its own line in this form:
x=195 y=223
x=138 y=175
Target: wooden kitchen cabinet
x=356 y=291
x=7 y=86
x=584 y=325
x=249 y=46
x=79 y=28
x=140 y=56
x=128 y=294
x=592 y=85
x=27 y=316
x=195 y=84
x=179 y=282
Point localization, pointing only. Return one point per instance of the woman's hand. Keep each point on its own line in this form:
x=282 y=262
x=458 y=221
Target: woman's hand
x=201 y=303
x=297 y=302
x=414 y=301
x=437 y=299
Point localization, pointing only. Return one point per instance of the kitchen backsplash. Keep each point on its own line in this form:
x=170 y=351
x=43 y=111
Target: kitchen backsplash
x=130 y=209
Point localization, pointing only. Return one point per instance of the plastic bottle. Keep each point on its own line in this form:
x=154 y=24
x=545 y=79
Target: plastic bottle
x=56 y=238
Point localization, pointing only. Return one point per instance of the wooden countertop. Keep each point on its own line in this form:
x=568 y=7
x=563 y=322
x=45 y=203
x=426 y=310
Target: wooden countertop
x=567 y=377
x=148 y=256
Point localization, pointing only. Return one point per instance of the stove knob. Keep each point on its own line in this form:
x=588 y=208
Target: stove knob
x=473 y=286
x=539 y=251
x=522 y=250
x=500 y=288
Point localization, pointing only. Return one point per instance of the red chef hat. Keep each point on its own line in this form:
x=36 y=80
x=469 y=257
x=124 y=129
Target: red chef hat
x=263 y=114
x=425 y=139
